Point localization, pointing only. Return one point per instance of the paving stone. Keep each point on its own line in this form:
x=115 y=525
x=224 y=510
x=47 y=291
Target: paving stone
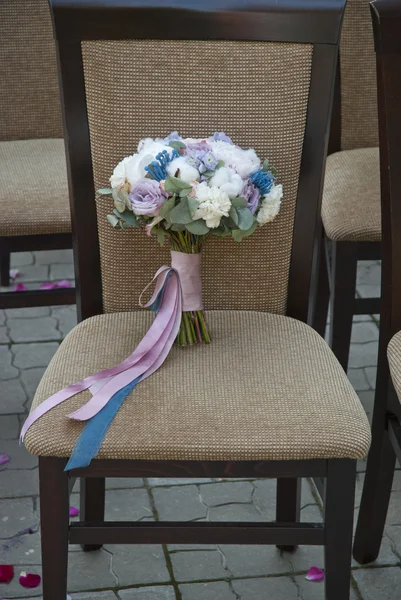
x=215 y=590
x=48 y=257
x=393 y=534
x=255 y=561
x=179 y=503
x=62 y=271
x=364 y=332
x=363 y=355
x=235 y=512
x=160 y=481
x=20 y=457
x=21 y=550
x=7 y=371
x=123 y=483
x=37 y=354
x=160 y=592
x=90 y=570
x=34 y=273
x=15 y=590
x=2 y=317
x=31 y=330
x=94 y=596
x=27 y=313
x=371 y=373
x=279 y=588
x=127 y=505
x=139 y=565
x=368 y=273
x=368 y=400
x=303 y=558
x=4 y=339
x=31 y=379
x=265 y=498
x=179 y=547
x=66 y=317
x=19 y=483
x=196 y=565
x=379 y=584
x=13 y=397
x=369 y=291
x=15 y=516
x=314 y=590
x=9 y=427
x=225 y=493
x=19 y=259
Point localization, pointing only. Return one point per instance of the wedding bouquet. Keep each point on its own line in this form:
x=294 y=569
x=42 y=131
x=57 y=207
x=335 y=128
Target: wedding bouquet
x=186 y=190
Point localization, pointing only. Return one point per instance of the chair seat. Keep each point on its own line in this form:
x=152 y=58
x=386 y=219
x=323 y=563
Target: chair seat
x=394 y=359
x=33 y=188
x=267 y=388
x=351 y=196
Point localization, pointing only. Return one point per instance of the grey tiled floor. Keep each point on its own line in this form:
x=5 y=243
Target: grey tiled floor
x=28 y=339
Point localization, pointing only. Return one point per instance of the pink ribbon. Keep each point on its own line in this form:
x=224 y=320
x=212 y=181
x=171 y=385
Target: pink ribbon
x=188 y=269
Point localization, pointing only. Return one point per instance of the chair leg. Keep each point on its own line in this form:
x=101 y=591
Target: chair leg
x=375 y=500
x=322 y=293
x=344 y=262
x=54 y=518
x=338 y=518
x=4 y=267
x=288 y=504
x=92 y=501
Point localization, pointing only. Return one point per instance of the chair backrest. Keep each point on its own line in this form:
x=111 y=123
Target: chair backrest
x=29 y=92
x=262 y=72
x=357 y=114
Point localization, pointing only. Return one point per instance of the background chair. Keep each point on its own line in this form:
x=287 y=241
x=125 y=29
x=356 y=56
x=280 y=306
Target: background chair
x=351 y=197
x=307 y=421
x=34 y=204
x=386 y=430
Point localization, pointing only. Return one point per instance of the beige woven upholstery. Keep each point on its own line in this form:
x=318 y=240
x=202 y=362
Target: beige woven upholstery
x=394 y=359
x=29 y=94
x=33 y=188
x=351 y=196
x=258 y=94
x=268 y=387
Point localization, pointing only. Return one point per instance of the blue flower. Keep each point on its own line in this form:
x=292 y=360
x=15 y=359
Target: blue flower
x=263 y=180
x=220 y=136
x=158 y=167
x=174 y=136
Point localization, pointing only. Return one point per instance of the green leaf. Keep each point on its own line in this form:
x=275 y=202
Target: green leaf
x=178 y=227
x=124 y=197
x=177 y=145
x=265 y=166
x=128 y=217
x=239 y=235
x=184 y=193
x=198 y=227
x=220 y=163
x=167 y=206
x=181 y=213
x=238 y=202
x=119 y=204
x=234 y=215
x=161 y=236
x=105 y=192
x=245 y=218
x=193 y=205
x=174 y=185
x=114 y=222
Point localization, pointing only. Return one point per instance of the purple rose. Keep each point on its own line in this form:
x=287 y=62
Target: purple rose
x=252 y=195
x=147 y=197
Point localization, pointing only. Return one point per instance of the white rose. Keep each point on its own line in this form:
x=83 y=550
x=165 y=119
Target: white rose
x=244 y=162
x=228 y=180
x=117 y=180
x=187 y=173
x=270 y=205
x=214 y=204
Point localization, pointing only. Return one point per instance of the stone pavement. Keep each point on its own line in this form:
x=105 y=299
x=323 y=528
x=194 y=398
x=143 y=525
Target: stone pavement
x=28 y=339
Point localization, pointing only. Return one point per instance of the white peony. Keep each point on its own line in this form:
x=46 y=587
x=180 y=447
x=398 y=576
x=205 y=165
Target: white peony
x=132 y=168
x=244 y=162
x=187 y=173
x=228 y=180
x=270 y=205
x=214 y=204
x=117 y=180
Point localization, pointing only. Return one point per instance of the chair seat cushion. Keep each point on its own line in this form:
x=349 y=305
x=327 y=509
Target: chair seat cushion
x=33 y=188
x=351 y=196
x=394 y=359
x=267 y=388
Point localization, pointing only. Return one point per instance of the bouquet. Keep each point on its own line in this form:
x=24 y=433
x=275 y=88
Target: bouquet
x=188 y=189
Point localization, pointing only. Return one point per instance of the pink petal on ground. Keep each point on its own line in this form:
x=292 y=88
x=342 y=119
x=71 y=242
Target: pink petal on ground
x=14 y=273
x=69 y=597
x=6 y=573
x=74 y=512
x=29 y=580
x=4 y=458
x=64 y=283
x=315 y=574
x=48 y=286
x=19 y=287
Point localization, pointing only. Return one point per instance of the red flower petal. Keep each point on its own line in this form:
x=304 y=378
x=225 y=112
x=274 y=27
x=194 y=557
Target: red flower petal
x=315 y=574
x=48 y=286
x=74 y=512
x=29 y=580
x=19 y=287
x=4 y=458
x=64 y=283
x=6 y=573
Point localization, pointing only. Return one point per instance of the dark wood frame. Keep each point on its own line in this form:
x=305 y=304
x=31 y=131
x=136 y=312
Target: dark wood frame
x=309 y=21
x=386 y=429
x=29 y=243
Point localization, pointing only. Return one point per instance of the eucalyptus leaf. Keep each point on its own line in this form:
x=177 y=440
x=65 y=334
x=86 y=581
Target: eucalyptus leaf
x=178 y=227
x=177 y=145
x=181 y=213
x=128 y=217
x=193 y=205
x=184 y=193
x=265 y=165
x=220 y=163
x=119 y=204
x=245 y=218
x=105 y=192
x=233 y=215
x=124 y=197
x=114 y=222
x=173 y=185
x=239 y=235
x=198 y=227
x=238 y=202
x=161 y=236
x=167 y=206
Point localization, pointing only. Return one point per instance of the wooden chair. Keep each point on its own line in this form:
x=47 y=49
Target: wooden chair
x=267 y=397
x=386 y=429
x=34 y=204
x=351 y=196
